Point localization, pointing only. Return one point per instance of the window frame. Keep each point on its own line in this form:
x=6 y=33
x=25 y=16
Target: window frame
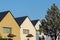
x=25 y=31
x=7 y=28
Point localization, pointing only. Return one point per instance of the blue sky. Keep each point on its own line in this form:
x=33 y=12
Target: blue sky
x=35 y=9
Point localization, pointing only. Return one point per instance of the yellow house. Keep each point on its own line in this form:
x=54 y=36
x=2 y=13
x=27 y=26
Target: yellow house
x=8 y=26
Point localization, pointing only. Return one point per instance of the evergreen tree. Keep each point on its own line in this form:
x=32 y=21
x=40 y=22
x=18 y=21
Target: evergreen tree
x=51 y=23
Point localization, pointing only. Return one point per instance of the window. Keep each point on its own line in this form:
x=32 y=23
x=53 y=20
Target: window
x=25 y=31
x=6 y=30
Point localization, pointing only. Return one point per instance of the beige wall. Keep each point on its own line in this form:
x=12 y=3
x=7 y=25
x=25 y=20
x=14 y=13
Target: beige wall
x=27 y=25
x=9 y=21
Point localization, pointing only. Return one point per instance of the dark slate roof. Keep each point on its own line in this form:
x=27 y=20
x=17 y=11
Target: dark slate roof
x=3 y=14
x=34 y=22
x=20 y=20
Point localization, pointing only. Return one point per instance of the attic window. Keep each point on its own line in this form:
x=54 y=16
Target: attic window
x=25 y=31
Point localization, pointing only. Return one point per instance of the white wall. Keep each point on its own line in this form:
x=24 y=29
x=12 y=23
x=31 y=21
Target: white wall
x=27 y=25
x=37 y=25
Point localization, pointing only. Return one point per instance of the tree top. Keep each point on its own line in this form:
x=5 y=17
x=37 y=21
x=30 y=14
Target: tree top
x=54 y=7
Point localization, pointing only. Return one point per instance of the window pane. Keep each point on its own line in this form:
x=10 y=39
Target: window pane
x=6 y=30
x=25 y=31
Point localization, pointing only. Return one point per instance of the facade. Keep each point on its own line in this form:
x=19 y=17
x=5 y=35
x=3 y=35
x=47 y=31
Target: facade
x=37 y=25
x=8 y=26
x=27 y=31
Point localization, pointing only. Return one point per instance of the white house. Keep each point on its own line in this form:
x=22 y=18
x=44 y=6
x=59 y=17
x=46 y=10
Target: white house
x=27 y=30
x=37 y=25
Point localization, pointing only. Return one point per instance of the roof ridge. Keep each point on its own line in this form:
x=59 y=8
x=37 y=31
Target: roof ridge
x=36 y=19
x=3 y=14
x=21 y=17
x=20 y=20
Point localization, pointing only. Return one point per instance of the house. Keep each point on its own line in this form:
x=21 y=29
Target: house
x=37 y=25
x=9 y=28
x=27 y=31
